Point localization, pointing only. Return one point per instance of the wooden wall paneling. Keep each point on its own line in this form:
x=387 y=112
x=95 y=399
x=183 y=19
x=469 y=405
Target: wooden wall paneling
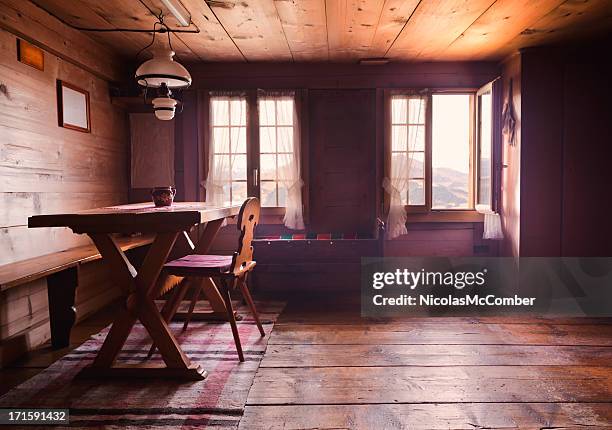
x=496 y=27
x=19 y=344
x=393 y=17
x=351 y=27
x=381 y=117
x=152 y=151
x=180 y=154
x=95 y=289
x=38 y=27
x=191 y=146
x=541 y=154
x=342 y=147
x=305 y=27
x=203 y=98
x=586 y=230
x=255 y=27
x=22 y=307
x=24 y=319
x=46 y=168
x=225 y=76
x=426 y=38
x=450 y=240
x=573 y=19
x=510 y=202
x=20 y=243
x=304 y=124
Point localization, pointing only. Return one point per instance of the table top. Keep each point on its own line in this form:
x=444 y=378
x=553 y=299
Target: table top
x=138 y=217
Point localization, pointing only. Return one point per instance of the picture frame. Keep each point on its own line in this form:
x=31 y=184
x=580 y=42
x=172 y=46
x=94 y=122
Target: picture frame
x=31 y=55
x=73 y=110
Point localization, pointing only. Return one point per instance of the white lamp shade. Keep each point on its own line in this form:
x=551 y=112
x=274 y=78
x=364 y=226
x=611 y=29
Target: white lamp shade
x=164 y=108
x=163 y=69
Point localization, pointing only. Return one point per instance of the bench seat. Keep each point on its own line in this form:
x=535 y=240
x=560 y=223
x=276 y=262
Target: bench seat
x=25 y=271
x=38 y=295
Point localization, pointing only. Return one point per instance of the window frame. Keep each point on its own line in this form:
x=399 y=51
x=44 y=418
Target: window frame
x=230 y=127
x=425 y=213
x=262 y=94
x=272 y=214
x=488 y=88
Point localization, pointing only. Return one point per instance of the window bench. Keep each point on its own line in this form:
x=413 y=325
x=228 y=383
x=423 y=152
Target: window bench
x=315 y=260
x=23 y=302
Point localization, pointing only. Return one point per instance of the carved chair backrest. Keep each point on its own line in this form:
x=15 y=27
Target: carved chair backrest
x=247 y=221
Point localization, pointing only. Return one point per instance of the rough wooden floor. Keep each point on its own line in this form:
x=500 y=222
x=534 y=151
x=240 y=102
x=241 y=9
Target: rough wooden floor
x=43 y=357
x=326 y=368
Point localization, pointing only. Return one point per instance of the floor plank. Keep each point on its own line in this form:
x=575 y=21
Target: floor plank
x=429 y=416
x=434 y=355
x=428 y=332
x=408 y=384
x=311 y=309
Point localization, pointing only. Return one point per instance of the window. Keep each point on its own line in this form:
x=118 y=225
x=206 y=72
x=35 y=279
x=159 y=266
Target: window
x=431 y=148
x=229 y=148
x=451 y=149
x=254 y=151
x=485 y=146
x=408 y=146
x=276 y=148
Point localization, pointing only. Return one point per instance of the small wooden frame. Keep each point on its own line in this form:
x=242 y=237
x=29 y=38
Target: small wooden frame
x=31 y=55
x=73 y=107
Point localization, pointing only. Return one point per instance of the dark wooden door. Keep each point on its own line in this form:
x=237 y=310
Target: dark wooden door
x=343 y=160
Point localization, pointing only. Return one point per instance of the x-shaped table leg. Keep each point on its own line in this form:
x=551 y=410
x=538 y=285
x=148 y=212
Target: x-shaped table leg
x=139 y=289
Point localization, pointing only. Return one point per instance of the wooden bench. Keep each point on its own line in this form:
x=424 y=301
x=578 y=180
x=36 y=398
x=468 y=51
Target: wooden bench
x=61 y=270
x=316 y=261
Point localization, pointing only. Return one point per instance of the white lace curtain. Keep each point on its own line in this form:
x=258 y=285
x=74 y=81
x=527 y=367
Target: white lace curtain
x=492 y=223
x=227 y=117
x=282 y=112
x=397 y=184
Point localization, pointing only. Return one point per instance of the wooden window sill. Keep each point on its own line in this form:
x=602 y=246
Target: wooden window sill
x=268 y=215
x=446 y=216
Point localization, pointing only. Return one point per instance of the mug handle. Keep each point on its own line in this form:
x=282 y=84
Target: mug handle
x=173 y=190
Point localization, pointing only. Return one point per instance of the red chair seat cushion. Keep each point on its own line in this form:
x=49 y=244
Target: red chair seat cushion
x=195 y=264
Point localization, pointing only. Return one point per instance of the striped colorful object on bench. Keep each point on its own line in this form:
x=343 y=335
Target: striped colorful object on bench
x=315 y=236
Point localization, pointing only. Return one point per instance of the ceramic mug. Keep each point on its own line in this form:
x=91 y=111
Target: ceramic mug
x=163 y=196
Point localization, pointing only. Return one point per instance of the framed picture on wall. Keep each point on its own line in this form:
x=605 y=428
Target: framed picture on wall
x=73 y=107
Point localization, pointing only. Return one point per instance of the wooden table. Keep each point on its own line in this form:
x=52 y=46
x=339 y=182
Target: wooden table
x=141 y=287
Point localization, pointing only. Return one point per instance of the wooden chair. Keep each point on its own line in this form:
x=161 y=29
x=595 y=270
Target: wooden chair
x=231 y=270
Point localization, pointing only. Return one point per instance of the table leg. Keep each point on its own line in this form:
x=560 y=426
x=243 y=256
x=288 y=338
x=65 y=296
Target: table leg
x=139 y=291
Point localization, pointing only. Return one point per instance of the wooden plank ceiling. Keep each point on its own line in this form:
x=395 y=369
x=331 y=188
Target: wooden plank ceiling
x=342 y=30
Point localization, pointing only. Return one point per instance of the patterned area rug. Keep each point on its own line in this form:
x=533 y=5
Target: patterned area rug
x=216 y=402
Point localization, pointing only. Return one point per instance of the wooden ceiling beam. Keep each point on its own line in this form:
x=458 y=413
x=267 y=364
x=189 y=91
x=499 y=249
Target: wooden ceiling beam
x=255 y=27
x=434 y=25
